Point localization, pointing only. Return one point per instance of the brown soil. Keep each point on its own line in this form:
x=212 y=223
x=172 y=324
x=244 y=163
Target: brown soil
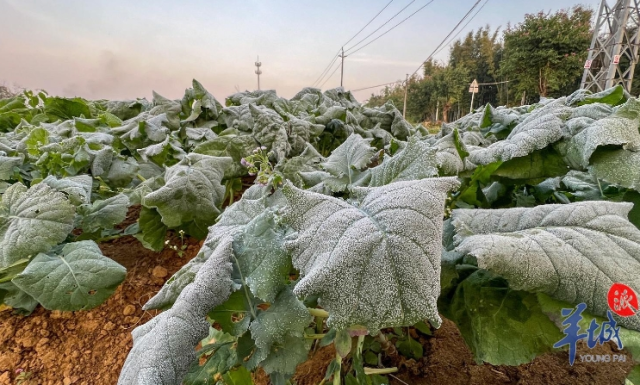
x=90 y=347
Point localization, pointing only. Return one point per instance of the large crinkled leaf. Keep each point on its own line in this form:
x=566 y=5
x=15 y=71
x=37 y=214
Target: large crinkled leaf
x=611 y=96
x=79 y=277
x=261 y=257
x=618 y=166
x=12 y=296
x=618 y=129
x=525 y=138
x=77 y=188
x=545 y=163
x=152 y=231
x=502 y=326
x=572 y=252
x=7 y=165
x=164 y=348
x=231 y=222
x=192 y=191
x=275 y=331
x=32 y=221
x=234 y=146
x=593 y=111
x=103 y=214
x=376 y=263
x=346 y=162
x=416 y=161
x=293 y=168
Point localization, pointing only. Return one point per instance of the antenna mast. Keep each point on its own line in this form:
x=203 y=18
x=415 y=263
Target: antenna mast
x=258 y=71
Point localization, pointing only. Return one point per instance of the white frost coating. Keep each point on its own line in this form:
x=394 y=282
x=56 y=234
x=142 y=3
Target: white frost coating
x=619 y=167
x=448 y=158
x=346 y=161
x=7 y=163
x=416 y=161
x=526 y=137
x=103 y=214
x=32 y=221
x=231 y=223
x=164 y=348
x=613 y=130
x=572 y=252
x=576 y=125
x=376 y=264
x=78 y=188
x=594 y=111
x=192 y=190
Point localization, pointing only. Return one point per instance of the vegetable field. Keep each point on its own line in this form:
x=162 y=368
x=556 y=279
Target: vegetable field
x=359 y=231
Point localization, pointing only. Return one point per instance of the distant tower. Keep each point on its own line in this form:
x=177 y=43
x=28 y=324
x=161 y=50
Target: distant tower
x=258 y=71
x=614 y=49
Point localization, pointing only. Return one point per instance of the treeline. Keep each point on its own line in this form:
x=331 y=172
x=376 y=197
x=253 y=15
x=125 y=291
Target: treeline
x=543 y=55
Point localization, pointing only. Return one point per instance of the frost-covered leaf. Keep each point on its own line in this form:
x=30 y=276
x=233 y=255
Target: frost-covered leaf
x=346 y=162
x=32 y=221
x=618 y=129
x=192 y=191
x=231 y=222
x=416 y=161
x=77 y=188
x=7 y=165
x=261 y=257
x=234 y=146
x=293 y=168
x=525 y=138
x=620 y=167
x=103 y=214
x=78 y=277
x=502 y=326
x=164 y=348
x=374 y=264
x=275 y=331
x=572 y=252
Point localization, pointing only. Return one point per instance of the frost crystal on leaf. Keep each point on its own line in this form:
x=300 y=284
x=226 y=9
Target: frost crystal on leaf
x=192 y=191
x=376 y=264
x=572 y=252
x=416 y=161
x=531 y=135
x=164 y=348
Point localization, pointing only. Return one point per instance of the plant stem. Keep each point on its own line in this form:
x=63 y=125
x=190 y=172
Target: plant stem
x=110 y=238
x=314 y=336
x=318 y=313
x=336 y=374
x=370 y=371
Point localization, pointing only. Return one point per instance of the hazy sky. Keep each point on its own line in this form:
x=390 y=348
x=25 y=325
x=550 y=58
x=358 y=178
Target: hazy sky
x=119 y=49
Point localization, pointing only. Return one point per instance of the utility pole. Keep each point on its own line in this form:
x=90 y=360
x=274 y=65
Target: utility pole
x=406 y=86
x=614 y=48
x=342 y=66
x=258 y=71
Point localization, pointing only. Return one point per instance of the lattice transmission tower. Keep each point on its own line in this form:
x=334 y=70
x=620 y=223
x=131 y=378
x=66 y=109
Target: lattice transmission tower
x=614 y=48
x=258 y=71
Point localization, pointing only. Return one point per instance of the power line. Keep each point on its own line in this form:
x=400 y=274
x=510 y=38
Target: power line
x=447 y=37
x=334 y=71
x=385 y=23
x=326 y=69
x=494 y=83
x=462 y=29
x=437 y=48
x=390 y=29
x=337 y=55
x=379 y=85
x=378 y=14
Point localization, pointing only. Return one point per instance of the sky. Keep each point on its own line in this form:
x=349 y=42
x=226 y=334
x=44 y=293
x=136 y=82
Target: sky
x=117 y=49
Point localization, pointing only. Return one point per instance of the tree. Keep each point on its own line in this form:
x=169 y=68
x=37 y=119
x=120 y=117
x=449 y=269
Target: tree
x=544 y=54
